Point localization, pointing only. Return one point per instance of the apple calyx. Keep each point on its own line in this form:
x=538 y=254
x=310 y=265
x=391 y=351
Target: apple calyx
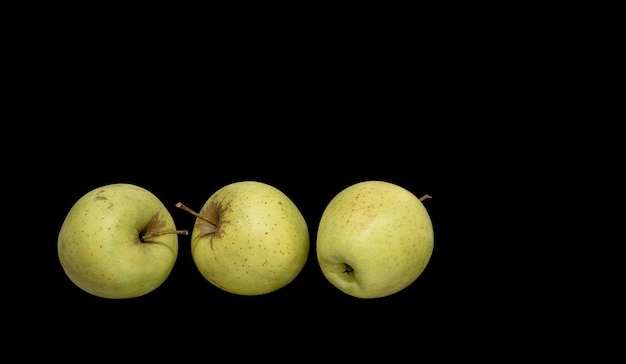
x=212 y=226
x=425 y=197
x=158 y=233
x=349 y=269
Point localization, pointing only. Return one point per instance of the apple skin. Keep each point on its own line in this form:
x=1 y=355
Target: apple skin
x=99 y=244
x=381 y=231
x=257 y=241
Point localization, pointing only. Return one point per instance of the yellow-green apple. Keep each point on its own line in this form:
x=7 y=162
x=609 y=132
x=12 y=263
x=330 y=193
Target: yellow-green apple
x=249 y=238
x=374 y=239
x=118 y=241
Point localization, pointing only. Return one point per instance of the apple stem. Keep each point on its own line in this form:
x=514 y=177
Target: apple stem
x=180 y=232
x=425 y=197
x=183 y=207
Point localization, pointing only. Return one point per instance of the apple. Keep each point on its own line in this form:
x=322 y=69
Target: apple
x=374 y=239
x=118 y=241
x=249 y=238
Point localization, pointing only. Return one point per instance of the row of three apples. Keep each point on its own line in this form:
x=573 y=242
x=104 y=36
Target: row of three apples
x=120 y=241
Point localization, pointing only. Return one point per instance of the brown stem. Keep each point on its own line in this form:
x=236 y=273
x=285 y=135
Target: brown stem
x=425 y=197
x=183 y=207
x=180 y=232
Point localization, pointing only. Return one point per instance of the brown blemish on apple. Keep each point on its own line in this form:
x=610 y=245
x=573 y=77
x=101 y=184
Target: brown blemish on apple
x=209 y=219
x=98 y=197
x=154 y=227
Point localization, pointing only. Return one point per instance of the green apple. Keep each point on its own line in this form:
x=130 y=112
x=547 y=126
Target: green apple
x=118 y=241
x=374 y=239
x=249 y=238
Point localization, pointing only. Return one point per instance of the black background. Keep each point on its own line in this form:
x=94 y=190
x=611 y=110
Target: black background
x=474 y=107
x=183 y=121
